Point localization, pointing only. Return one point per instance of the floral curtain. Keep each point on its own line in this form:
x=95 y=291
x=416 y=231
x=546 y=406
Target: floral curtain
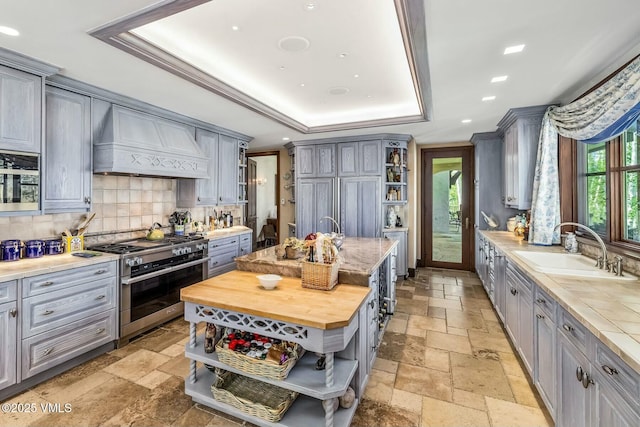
x=599 y=116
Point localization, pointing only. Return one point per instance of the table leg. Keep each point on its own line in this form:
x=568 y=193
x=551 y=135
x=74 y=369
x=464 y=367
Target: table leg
x=192 y=344
x=328 y=412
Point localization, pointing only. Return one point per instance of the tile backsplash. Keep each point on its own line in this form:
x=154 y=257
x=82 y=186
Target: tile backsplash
x=592 y=250
x=125 y=207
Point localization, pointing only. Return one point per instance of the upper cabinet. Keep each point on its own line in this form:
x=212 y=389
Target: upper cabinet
x=316 y=161
x=359 y=158
x=521 y=129
x=227 y=166
x=67 y=160
x=395 y=177
x=20 y=110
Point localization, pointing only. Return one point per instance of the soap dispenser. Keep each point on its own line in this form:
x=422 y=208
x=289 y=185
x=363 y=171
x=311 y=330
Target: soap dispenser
x=570 y=243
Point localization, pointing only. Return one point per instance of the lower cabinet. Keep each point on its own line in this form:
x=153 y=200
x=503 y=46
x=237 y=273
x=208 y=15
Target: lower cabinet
x=574 y=392
x=519 y=314
x=401 y=260
x=223 y=252
x=500 y=283
x=8 y=337
x=544 y=370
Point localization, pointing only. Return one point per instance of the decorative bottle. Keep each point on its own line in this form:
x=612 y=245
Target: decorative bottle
x=210 y=338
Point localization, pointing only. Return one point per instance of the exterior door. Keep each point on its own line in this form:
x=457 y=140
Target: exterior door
x=447 y=206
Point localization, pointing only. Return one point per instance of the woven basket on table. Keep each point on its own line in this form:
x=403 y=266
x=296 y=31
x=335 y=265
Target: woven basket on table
x=252 y=396
x=265 y=368
x=316 y=275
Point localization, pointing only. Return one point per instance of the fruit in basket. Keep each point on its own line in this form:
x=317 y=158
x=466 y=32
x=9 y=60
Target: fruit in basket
x=311 y=236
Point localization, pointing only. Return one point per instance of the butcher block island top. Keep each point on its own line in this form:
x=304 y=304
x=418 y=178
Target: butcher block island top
x=289 y=302
x=361 y=256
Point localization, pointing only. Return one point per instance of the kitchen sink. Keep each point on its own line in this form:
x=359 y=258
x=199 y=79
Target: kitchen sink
x=567 y=265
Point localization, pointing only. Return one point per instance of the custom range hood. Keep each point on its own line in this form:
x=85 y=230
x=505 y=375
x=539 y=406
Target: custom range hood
x=136 y=143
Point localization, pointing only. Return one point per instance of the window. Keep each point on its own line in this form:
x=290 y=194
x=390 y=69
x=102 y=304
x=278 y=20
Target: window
x=608 y=186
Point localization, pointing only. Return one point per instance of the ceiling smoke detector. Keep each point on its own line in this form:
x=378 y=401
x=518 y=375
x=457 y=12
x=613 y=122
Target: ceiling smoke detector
x=293 y=44
x=338 y=90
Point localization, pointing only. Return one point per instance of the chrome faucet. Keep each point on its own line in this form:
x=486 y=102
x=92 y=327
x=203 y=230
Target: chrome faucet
x=333 y=220
x=602 y=261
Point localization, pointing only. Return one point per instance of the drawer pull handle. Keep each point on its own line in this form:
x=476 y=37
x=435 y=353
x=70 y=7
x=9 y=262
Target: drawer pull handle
x=101 y=297
x=47 y=351
x=586 y=381
x=568 y=328
x=47 y=283
x=541 y=301
x=215 y=263
x=513 y=291
x=579 y=373
x=99 y=331
x=609 y=370
x=539 y=316
x=13 y=312
x=372 y=304
x=101 y=271
x=47 y=312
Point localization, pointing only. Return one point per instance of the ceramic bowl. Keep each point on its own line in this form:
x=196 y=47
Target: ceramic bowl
x=269 y=281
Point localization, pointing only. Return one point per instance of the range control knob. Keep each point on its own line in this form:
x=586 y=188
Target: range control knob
x=200 y=246
x=176 y=251
x=187 y=250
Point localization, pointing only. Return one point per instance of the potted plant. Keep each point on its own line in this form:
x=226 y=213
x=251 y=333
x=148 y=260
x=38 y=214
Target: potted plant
x=294 y=248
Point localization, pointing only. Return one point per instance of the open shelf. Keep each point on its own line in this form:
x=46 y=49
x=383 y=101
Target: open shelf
x=305 y=411
x=303 y=378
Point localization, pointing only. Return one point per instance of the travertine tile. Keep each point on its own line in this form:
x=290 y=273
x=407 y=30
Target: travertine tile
x=58 y=391
x=482 y=376
x=425 y=381
x=448 y=342
x=137 y=365
x=504 y=413
x=153 y=379
x=437 y=413
x=371 y=413
x=166 y=403
x=427 y=323
x=406 y=400
x=511 y=364
x=469 y=399
x=489 y=314
x=173 y=350
x=397 y=325
x=437 y=312
x=523 y=391
x=445 y=303
x=26 y=416
x=457 y=331
x=380 y=386
x=415 y=332
x=413 y=352
x=178 y=366
x=465 y=320
x=391 y=346
x=436 y=359
x=485 y=340
x=129 y=417
x=381 y=364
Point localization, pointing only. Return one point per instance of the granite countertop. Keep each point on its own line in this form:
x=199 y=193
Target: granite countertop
x=220 y=233
x=361 y=257
x=610 y=309
x=28 y=267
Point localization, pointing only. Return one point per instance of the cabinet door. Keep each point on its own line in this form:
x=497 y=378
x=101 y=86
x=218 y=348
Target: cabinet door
x=574 y=401
x=8 y=328
x=325 y=160
x=348 y=159
x=510 y=165
x=315 y=200
x=360 y=207
x=67 y=183
x=401 y=257
x=545 y=360
x=20 y=110
x=227 y=170
x=612 y=409
x=207 y=189
x=511 y=311
x=305 y=161
x=525 y=327
x=500 y=284
x=370 y=158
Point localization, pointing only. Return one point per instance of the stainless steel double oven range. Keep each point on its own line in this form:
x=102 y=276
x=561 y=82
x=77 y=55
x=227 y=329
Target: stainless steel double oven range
x=151 y=276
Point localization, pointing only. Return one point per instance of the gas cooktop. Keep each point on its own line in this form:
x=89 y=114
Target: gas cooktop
x=137 y=245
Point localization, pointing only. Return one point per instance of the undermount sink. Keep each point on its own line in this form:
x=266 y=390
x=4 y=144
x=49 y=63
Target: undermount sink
x=567 y=265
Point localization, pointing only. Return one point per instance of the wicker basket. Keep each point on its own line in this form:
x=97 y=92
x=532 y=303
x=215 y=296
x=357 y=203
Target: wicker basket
x=252 y=396
x=264 y=368
x=321 y=276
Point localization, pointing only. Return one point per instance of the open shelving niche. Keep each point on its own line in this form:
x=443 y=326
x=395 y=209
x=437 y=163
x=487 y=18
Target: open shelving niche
x=312 y=384
x=395 y=175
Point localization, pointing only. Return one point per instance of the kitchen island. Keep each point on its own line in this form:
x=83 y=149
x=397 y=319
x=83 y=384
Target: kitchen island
x=346 y=324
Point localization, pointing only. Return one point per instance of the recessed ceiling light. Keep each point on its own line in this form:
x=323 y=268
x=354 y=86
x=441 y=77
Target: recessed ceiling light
x=499 y=79
x=293 y=43
x=301 y=84
x=356 y=75
x=235 y=28
x=514 y=49
x=342 y=55
x=9 y=31
x=465 y=121
x=282 y=67
x=285 y=138
x=310 y=6
x=338 y=90
x=488 y=98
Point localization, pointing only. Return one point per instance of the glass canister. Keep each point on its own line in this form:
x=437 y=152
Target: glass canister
x=34 y=248
x=10 y=250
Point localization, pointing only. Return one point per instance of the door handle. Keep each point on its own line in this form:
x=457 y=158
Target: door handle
x=466 y=223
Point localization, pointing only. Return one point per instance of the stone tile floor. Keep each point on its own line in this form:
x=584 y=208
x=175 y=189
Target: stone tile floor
x=444 y=361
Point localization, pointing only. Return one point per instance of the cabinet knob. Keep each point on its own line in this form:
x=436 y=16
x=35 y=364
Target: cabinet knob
x=13 y=312
x=99 y=297
x=568 y=328
x=539 y=316
x=101 y=271
x=513 y=291
x=87 y=200
x=372 y=304
x=47 y=312
x=541 y=301
x=587 y=380
x=579 y=373
x=609 y=370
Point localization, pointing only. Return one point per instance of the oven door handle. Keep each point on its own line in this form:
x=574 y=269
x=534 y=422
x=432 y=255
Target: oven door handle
x=164 y=271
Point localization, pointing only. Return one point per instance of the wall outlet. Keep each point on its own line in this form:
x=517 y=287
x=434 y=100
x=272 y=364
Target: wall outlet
x=282 y=201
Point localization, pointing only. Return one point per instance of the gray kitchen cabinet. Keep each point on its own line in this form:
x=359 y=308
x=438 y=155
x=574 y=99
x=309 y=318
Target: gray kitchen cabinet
x=315 y=199
x=519 y=314
x=315 y=161
x=544 y=376
x=8 y=333
x=500 y=282
x=360 y=207
x=611 y=409
x=20 y=111
x=223 y=252
x=574 y=400
x=66 y=314
x=67 y=160
x=401 y=259
x=521 y=129
x=395 y=172
x=361 y=158
x=223 y=185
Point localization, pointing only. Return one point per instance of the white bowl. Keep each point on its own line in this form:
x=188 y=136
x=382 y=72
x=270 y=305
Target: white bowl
x=269 y=281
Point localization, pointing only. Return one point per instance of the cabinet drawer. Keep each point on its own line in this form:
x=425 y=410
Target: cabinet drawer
x=245 y=248
x=545 y=303
x=245 y=238
x=8 y=291
x=616 y=372
x=43 y=312
x=573 y=330
x=221 y=258
x=519 y=276
x=218 y=244
x=47 y=350
x=50 y=282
